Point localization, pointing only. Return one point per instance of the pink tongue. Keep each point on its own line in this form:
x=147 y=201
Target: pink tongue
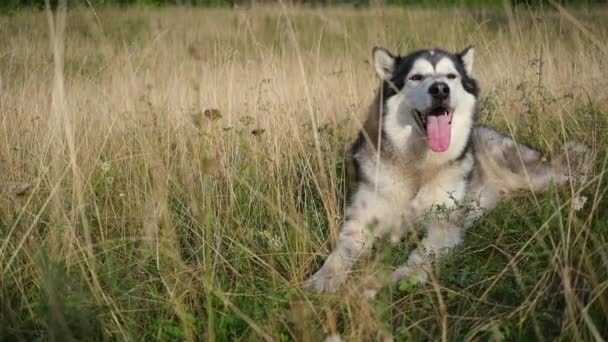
x=438 y=132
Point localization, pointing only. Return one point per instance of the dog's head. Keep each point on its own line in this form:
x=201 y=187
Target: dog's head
x=435 y=88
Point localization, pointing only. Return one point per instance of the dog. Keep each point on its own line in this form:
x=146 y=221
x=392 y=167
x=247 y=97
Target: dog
x=421 y=151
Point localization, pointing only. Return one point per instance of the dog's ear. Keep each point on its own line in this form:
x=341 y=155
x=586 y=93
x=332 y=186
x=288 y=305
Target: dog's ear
x=384 y=62
x=467 y=55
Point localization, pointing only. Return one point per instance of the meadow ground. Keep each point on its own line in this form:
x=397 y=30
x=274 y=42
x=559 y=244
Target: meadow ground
x=177 y=173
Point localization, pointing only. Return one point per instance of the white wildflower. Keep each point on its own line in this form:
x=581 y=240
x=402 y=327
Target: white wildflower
x=272 y=239
x=275 y=240
x=578 y=202
x=105 y=166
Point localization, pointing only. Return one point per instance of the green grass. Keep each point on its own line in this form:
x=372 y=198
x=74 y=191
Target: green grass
x=191 y=176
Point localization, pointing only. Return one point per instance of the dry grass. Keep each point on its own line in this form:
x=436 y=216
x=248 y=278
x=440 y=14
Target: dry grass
x=177 y=173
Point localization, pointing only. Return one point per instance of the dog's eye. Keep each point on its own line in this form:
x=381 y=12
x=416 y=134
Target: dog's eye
x=416 y=77
x=451 y=76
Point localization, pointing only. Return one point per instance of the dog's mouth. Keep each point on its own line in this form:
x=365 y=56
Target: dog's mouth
x=437 y=124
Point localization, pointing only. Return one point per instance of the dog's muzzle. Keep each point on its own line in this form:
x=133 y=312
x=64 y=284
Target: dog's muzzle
x=436 y=123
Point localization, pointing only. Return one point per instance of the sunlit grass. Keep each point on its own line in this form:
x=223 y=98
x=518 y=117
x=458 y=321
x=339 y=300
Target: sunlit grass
x=190 y=175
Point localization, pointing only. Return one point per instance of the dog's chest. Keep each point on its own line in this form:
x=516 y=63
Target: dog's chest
x=419 y=188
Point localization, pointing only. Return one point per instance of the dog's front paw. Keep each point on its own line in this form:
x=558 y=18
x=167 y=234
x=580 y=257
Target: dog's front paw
x=574 y=161
x=416 y=274
x=327 y=279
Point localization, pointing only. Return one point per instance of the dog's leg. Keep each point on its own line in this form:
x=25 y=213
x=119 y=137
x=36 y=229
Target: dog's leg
x=572 y=163
x=444 y=228
x=509 y=166
x=354 y=240
x=443 y=234
x=368 y=216
x=441 y=238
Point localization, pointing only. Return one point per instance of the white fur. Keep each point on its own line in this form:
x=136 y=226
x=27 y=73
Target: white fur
x=467 y=59
x=384 y=63
x=400 y=125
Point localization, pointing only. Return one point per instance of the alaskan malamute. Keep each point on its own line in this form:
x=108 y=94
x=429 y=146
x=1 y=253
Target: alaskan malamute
x=419 y=152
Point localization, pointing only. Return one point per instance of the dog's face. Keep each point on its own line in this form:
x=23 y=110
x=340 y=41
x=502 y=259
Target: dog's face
x=434 y=87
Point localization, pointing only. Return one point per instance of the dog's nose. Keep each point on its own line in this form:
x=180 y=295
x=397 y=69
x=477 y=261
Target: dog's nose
x=439 y=90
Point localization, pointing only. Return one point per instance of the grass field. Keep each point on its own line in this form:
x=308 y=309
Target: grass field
x=177 y=173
